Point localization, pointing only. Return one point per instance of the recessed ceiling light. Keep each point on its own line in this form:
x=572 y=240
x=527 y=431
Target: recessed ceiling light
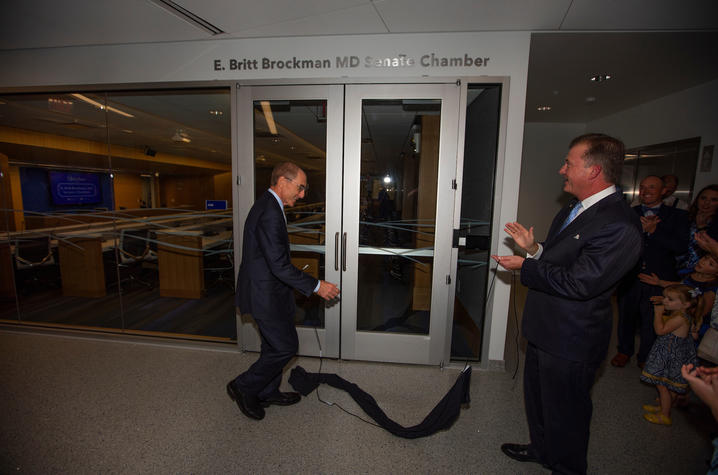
x=600 y=77
x=590 y=99
x=543 y=108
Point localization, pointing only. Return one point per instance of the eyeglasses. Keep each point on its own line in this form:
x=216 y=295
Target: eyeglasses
x=301 y=187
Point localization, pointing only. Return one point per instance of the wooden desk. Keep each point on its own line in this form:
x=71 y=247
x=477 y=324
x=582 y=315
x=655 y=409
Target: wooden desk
x=82 y=270
x=182 y=270
x=80 y=248
x=81 y=264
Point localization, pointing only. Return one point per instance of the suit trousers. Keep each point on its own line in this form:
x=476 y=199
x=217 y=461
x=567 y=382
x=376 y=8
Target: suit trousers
x=635 y=309
x=279 y=345
x=557 y=394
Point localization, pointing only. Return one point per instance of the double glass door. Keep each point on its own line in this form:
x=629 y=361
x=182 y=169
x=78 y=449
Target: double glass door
x=376 y=218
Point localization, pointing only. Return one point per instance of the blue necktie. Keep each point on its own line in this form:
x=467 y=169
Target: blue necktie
x=574 y=211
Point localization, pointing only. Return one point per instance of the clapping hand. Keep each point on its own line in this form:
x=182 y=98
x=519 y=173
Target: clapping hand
x=704 y=382
x=650 y=223
x=523 y=237
x=706 y=242
x=650 y=279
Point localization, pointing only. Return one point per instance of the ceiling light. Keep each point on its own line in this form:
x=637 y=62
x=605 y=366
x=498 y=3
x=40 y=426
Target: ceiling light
x=216 y=112
x=387 y=179
x=543 y=108
x=100 y=106
x=590 y=99
x=600 y=77
x=181 y=136
x=266 y=108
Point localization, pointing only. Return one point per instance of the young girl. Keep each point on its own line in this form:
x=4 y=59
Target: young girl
x=672 y=349
x=703 y=280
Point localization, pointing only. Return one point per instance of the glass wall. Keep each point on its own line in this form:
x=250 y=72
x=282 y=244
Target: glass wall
x=480 y=148
x=117 y=211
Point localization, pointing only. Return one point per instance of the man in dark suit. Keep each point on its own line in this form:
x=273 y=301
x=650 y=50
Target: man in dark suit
x=265 y=290
x=567 y=317
x=665 y=237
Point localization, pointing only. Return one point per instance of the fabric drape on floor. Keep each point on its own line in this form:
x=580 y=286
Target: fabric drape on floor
x=441 y=417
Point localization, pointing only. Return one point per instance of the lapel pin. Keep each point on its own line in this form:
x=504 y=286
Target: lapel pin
x=577 y=236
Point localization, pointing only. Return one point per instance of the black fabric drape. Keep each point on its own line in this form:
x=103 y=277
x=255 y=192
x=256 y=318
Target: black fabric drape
x=441 y=417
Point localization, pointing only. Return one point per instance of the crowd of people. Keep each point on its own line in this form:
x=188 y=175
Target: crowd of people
x=670 y=295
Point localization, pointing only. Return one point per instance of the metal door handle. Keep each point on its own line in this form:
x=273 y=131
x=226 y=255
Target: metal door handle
x=344 y=252
x=336 y=251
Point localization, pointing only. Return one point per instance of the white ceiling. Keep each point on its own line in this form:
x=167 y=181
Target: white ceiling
x=677 y=46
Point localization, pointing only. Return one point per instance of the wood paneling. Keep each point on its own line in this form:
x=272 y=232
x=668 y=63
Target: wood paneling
x=186 y=191
x=223 y=187
x=426 y=206
x=128 y=190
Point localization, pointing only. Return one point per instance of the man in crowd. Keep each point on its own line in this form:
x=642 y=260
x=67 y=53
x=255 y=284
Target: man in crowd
x=665 y=237
x=670 y=183
x=567 y=317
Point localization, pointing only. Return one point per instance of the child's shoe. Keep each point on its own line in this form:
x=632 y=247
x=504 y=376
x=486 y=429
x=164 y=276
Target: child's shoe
x=659 y=419
x=651 y=408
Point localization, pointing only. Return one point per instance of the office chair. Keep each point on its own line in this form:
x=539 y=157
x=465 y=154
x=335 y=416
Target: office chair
x=35 y=263
x=220 y=265
x=134 y=251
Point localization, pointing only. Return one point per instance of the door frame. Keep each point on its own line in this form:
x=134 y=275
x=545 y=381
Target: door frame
x=312 y=341
x=243 y=173
x=396 y=347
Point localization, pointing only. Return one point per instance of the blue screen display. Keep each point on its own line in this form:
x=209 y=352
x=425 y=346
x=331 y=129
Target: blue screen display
x=215 y=204
x=74 y=188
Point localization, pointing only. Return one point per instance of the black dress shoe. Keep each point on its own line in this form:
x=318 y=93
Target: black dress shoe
x=280 y=399
x=249 y=405
x=522 y=453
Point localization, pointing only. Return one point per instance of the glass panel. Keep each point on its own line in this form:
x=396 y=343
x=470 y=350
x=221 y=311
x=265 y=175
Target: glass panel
x=174 y=248
x=399 y=167
x=9 y=222
x=296 y=131
x=480 y=146
x=108 y=176
x=61 y=189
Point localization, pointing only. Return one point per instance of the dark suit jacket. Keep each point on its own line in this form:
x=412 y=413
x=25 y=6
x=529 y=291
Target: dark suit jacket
x=266 y=275
x=666 y=243
x=568 y=308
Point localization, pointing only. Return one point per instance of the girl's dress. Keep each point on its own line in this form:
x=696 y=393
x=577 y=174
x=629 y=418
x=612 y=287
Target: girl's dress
x=668 y=354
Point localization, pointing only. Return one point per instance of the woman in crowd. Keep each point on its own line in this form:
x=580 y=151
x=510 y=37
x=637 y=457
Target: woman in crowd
x=702 y=215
